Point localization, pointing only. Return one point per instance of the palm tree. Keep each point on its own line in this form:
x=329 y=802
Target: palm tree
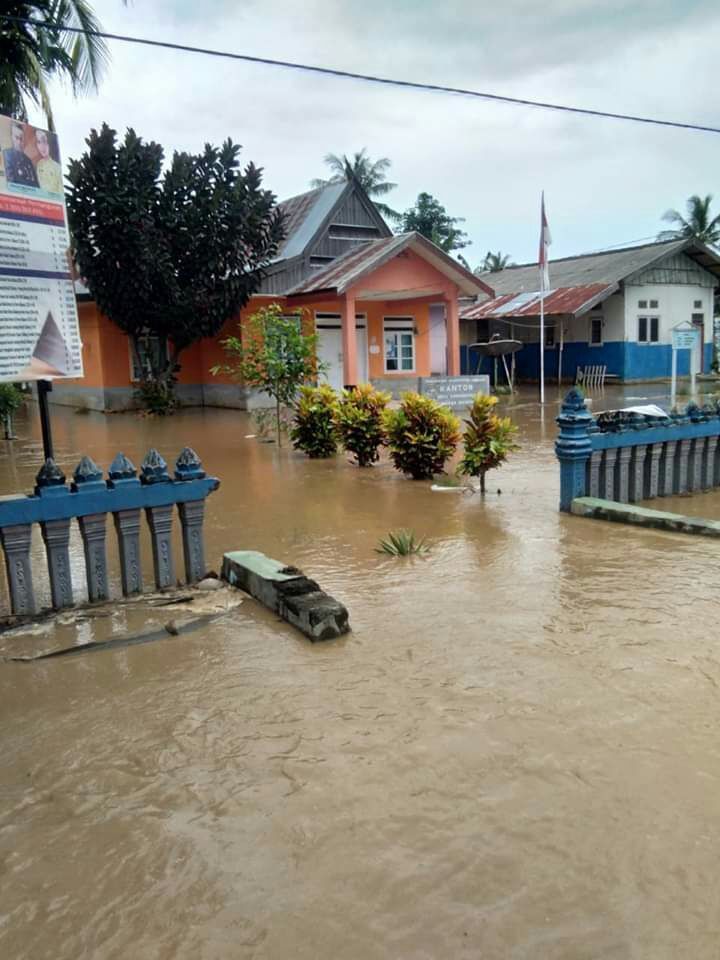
x=31 y=55
x=698 y=223
x=370 y=174
x=494 y=262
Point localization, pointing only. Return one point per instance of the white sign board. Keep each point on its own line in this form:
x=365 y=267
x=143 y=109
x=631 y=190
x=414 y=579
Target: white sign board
x=455 y=392
x=39 y=331
x=684 y=339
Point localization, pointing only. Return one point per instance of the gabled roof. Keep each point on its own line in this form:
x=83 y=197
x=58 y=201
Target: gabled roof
x=608 y=267
x=306 y=214
x=348 y=270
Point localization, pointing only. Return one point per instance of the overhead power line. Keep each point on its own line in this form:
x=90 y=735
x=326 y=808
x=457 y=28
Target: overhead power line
x=367 y=77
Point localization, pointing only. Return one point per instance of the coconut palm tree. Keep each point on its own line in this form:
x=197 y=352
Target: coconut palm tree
x=494 y=262
x=698 y=222
x=370 y=174
x=31 y=55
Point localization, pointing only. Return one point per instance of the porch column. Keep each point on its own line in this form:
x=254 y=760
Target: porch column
x=349 y=341
x=452 y=324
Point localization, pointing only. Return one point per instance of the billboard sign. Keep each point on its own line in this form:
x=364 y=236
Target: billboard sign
x=39 y=331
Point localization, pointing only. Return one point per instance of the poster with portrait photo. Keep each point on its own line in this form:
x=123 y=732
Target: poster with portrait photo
x=39 y=330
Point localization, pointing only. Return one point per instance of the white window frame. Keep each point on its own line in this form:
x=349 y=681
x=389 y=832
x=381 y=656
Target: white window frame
x=648 y=317
x=598 y=318
x=134 y=378
x=397 y=326
x=333 y=321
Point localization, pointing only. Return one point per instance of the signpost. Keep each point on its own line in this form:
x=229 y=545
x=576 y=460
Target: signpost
x=684 y=337
x=39 y=331
x=455 y=392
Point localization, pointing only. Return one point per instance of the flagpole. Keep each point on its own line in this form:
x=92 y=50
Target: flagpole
x=542 y=343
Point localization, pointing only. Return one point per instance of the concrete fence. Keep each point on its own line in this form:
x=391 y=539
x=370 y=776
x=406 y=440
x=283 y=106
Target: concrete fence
x=640 y=460
x=89 y=499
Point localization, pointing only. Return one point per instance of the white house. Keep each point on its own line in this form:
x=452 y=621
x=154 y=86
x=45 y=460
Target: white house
x=616 y=308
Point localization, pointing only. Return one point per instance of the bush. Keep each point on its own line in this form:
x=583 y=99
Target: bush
x=157 y=396
x=422 y=436
x=313 y=429
x=10 y=400
x=488 y=439
x=359 y=422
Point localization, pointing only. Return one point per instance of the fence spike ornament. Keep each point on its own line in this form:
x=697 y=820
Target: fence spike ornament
x=50 y=475
x=122 y=469
x=188 y=466
x=154 y=469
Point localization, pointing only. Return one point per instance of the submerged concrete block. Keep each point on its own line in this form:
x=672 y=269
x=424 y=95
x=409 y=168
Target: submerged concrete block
x=597 y=509
x=288 y=592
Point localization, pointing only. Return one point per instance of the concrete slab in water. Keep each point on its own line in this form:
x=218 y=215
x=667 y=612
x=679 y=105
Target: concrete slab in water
x=288 y=592
x=597 y=509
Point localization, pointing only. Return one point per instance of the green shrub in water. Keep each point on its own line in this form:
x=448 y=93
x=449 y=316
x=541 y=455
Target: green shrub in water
x=402 y=543
x=313 y=429
x=488 y=439
x=10 y=400
x=422 y=436
x=359 y=422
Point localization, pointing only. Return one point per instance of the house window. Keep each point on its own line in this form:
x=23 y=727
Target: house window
x=697 y=304
x=642 y=304
x=399 y=344
x=152 y=352
x=648 y=329
x=654 y=304
x=698 y=318
x=550 y=336
x=596 y=331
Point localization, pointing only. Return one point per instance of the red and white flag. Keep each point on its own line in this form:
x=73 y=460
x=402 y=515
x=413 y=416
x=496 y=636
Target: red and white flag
x=545 y=241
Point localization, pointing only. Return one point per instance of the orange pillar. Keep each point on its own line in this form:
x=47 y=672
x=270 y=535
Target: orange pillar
x=452 y=325
x=349 y=341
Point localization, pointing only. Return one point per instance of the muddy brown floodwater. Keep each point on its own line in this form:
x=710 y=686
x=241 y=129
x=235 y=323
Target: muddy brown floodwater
x=515 y=754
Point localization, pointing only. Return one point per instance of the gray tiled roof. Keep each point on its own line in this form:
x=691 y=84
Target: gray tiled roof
x=607 y=267
x=304 y=214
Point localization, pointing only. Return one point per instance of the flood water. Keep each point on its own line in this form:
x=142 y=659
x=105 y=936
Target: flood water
x=515 y=754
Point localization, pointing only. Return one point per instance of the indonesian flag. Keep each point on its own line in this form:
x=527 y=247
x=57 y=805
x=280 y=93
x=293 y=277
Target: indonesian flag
x=545 y=241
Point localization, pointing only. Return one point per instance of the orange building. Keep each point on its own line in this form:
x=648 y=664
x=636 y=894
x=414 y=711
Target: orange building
x=385 y=309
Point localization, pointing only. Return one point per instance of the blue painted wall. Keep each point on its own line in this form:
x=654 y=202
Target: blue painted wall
x=629 y=361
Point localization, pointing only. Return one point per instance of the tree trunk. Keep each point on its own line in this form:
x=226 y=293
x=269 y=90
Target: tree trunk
x=277 y=422
x=482 y=483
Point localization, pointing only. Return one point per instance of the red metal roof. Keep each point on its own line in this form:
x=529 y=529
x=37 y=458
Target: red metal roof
x=559 y=302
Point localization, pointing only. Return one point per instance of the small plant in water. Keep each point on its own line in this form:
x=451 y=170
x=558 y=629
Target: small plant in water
x=402 y=543
x=313 y=429
x=422 y=436
x=359 y=420
x=488 y=439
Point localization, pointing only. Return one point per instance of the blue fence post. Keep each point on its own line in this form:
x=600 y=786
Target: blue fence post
x=154 y=470
x=50 y=482
x=88 y=479
x=573 y=447
x=122 y=473
x=192 y=513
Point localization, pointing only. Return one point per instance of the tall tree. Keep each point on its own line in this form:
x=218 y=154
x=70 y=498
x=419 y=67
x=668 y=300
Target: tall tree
x=370 y=174
x=698 y=222
x=30 y=55
x=432 y=220
x=171 y=255
x=494 y=262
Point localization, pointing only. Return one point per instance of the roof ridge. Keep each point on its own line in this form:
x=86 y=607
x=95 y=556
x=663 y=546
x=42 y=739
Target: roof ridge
x=596 y=253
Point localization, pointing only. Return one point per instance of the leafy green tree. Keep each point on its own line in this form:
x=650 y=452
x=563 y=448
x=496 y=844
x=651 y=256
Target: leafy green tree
x=274 y=355
x=171 y=254
x=10 y=400
x=698 y=222
x=432 y=220
x=494 y=262
x=30 y=56
x=370 y=174
x=488 y=439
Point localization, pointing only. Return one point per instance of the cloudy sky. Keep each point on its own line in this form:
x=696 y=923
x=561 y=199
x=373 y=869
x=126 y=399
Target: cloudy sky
x=606 y=182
